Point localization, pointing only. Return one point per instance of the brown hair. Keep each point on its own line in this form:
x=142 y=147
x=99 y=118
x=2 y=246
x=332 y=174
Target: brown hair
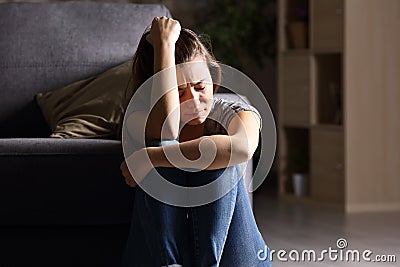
x=188 y=46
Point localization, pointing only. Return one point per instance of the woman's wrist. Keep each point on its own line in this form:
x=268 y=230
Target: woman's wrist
x=164 y=56
x=164 y=46
x=154 y=154
x=164 y=50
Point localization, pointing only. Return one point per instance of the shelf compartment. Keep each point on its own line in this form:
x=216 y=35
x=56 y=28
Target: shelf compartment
x=297 y=24
x=296 y=159
x=329 y=89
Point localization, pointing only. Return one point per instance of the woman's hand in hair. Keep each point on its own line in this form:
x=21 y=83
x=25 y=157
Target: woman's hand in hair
x=164 y=31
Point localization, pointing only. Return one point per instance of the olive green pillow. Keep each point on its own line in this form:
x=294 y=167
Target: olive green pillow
x=90 y=108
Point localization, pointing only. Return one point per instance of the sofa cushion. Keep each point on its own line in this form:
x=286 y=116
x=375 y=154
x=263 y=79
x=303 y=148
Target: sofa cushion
x=90 y=108
x=56 y=146
x=45 y=46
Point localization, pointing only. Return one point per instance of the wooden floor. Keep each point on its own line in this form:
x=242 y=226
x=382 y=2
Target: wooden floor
x=289 y=225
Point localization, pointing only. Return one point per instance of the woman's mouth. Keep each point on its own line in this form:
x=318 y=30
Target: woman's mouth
x=196 y=114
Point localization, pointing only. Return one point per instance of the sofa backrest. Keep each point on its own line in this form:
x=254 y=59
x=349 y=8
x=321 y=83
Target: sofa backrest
x=44 y=46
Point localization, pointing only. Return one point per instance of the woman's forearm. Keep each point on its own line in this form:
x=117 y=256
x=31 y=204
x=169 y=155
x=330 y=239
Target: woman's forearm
x=164 y=56
x=164 y=117
x=208 y=152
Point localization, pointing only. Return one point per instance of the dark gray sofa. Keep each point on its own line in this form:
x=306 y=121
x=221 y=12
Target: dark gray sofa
x=46 y=46
x=61 y=197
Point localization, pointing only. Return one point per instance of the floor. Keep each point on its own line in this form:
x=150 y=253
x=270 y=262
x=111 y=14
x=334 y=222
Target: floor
x=285 y=226
x=61 y=245
x=288 y=225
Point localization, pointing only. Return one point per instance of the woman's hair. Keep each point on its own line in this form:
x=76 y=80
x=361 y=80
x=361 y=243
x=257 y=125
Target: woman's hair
x=187 y=47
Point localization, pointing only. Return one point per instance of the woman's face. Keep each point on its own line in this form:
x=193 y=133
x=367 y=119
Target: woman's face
x=195 y=89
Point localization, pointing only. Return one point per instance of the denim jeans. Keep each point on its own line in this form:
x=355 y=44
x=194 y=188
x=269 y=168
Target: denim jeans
x=221 y=233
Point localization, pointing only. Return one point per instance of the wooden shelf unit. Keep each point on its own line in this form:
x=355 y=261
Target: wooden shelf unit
x=339 y=101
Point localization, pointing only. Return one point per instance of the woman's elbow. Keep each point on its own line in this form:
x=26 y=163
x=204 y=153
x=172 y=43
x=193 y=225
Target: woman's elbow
x=243 y=153
x=245 y=148
x=248 y=154
x=169 y=133
x=162 y=132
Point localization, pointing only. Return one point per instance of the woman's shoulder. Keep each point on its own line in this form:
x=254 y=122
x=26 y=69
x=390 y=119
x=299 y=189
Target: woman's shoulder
x=224 y=110
x=232 y=104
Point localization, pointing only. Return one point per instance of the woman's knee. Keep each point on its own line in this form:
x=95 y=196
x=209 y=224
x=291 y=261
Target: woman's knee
x=229 y=175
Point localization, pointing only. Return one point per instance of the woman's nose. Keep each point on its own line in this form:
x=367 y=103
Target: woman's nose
x=192 y=96
x=192 y=93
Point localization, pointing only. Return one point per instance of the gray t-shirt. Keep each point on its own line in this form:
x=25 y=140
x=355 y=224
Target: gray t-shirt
x=222 y=112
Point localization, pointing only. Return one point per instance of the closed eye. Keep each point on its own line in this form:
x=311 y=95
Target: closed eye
x=198 y=86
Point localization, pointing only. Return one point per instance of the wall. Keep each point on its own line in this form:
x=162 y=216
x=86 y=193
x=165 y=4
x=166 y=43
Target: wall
x=372 y=77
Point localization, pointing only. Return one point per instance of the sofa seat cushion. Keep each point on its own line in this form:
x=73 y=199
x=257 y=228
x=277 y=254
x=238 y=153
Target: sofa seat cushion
x=56 y=146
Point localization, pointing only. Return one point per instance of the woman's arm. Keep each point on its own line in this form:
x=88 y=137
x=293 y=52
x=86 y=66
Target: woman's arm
x=236 y=147
x=164 y=93
x=219 y=151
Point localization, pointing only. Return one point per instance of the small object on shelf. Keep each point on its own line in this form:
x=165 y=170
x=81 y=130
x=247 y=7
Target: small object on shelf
x=300 y=184
x=297 y=28
x=298 y=170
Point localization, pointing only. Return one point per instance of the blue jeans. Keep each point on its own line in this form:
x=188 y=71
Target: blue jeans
x=221 y=233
